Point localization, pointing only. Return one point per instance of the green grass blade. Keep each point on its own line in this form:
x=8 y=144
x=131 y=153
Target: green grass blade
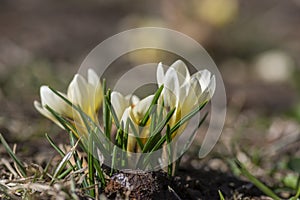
x=65 y=123
x=13 y=156
x=100 y=172
x=91 y=164
x=153 y=122
x=63 y=163
x=193 y=133
x=92 y=139
x=112 y=110
x=124 y=147
x=136 y=135
x=153 y=103
x=78 y=161
x=114 y=160
x=187 y=117
x=221 y=195
x=255 y=181
x=99 y=143
x=178 y=124
x=170 y=166
x=151 y=141
x=119 y=137
x=61 y=153
x=107 y=122
x=65 y=173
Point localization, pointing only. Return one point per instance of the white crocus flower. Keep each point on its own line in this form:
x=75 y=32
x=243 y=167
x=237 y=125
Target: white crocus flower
x=120 y=102
x=183 y=91
x=136 y=112
x=48 y=97
x=87 y=94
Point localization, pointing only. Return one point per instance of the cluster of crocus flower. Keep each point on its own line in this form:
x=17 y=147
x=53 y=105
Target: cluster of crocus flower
x=182 y=92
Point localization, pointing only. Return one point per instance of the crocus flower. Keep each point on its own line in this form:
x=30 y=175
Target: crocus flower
x=87 y=94
x=136 y=113
x=120 y=102
x=184 y=91
x=131 y=107
x=49 y=98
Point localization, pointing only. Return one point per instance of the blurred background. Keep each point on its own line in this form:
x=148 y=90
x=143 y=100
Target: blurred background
x=255 y=44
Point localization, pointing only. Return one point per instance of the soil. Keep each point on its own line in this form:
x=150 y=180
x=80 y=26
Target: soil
x=195 y=184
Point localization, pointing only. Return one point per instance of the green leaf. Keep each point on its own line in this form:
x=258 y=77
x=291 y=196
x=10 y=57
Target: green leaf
x=112 y=110
x=170 y=166
x=153 y=122
x=151 y=140
x=153 y=103
x=63 y=163
x=65 y=123
x=221 y=195
x=114 y=160
x=61 y=153
x=151 y=143
x=13 y=156
x=193 y=133
x=65 y=173
x=124 y=146
x=136 y=135
x=187 y=117
x=91 y=164
x=78 y=161
x=177 y=125
x=107 y=121
x=99 y=171
x=255 y=181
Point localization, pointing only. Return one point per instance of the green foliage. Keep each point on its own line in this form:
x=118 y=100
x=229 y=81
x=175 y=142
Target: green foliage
x=221 y=195
x=13 y=156
x=255 y=181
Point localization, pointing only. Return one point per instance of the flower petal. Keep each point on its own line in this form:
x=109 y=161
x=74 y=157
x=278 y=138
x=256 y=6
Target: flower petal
x=182 y=71
x=140 y=109
x=203 y=77
x=95 y=90
x=119 y=103
x=93 y=78
x=209 y=91
x=160 y=74
x=48 y=97
x=38 y=106
x=171 y=89
x=78 y=92
x=96 y=98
